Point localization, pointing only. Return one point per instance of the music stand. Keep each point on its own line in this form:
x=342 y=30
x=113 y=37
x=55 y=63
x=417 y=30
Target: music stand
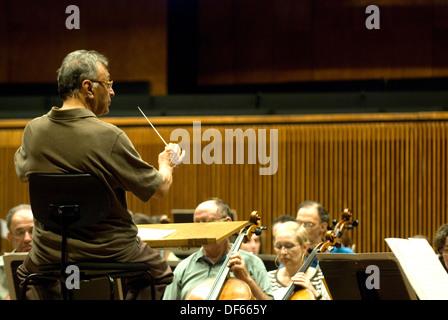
x=182 y=215
x=12 y=262
x=345 y=276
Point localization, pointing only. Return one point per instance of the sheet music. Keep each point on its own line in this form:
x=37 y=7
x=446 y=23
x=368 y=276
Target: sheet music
x=153 y=234
x=422 y=267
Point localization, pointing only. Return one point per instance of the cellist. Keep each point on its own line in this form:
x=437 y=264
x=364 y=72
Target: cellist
x=206 y=262
x=291 y=244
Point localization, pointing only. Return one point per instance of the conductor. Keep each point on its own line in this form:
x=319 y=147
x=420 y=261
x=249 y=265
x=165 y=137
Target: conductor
x=71 y=139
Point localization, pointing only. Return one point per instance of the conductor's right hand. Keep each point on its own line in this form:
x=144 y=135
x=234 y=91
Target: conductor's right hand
x=169 y=160
x=172 y=156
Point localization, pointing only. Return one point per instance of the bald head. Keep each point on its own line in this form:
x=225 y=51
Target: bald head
x=20 y=225
x=212 y=210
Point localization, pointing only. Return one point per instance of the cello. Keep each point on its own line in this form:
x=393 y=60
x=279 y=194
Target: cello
x=331 y=237
x=223 y=287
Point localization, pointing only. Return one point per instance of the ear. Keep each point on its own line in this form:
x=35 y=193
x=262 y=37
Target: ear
x=87 y=88
x=305 y=247
x=323 y=228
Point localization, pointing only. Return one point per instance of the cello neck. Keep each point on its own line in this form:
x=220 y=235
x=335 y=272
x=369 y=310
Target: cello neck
x=303 y=268
x=221 y=277
x=223 y=272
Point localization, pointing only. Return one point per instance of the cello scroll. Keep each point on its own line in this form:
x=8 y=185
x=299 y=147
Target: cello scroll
x=254 y=228
x=332 y=236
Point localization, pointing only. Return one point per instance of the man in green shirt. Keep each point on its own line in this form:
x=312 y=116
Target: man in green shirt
x=206 y=262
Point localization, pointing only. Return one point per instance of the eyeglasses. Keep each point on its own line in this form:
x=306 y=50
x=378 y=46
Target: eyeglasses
x=307 y=225
x=286 y=247
x=107 y=83
x=20 y=233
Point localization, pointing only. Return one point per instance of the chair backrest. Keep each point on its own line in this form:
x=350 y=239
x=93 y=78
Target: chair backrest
x=83 y=198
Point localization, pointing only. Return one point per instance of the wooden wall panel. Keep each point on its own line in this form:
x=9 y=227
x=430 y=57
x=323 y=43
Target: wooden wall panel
x=292 y=41
x=389 y=169
x=238 y=42
x=34 y=39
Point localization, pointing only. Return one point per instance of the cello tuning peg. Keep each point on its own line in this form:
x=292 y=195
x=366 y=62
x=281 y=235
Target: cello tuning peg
x=259 y=230
x=353 y=225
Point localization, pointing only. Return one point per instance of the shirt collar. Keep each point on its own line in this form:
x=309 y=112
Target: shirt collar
x=68 y=114
x=200 y=256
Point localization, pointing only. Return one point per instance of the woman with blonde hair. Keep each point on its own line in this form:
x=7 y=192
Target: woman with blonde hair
x=291 y=244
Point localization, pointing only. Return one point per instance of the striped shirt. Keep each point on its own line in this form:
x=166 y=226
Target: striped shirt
x=279 y=290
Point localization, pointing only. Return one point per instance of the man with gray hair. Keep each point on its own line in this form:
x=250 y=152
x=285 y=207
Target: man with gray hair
x=71 y=139
x=20 y=223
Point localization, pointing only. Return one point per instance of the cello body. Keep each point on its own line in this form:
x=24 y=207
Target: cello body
x=302 y=294
x=234 y=289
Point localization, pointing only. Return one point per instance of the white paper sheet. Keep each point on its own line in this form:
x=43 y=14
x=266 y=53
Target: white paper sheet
x=422 y=267
x=153 y=234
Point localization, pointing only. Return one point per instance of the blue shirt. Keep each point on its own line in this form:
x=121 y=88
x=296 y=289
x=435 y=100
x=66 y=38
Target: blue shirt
x=342 y=250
